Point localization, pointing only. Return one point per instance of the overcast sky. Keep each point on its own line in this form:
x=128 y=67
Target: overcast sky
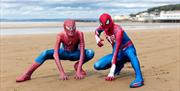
x=46 y=9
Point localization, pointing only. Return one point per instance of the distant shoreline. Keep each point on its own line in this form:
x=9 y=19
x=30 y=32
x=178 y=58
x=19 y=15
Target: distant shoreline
x=21 y=28
x=11 y=25
x=21 y=25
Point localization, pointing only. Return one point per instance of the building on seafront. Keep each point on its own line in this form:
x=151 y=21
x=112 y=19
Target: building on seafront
x=162 y=16
x=168 y=16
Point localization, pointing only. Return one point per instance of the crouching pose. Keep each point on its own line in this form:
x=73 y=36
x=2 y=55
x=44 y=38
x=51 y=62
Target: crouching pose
x=69 y=46
x=123 y=50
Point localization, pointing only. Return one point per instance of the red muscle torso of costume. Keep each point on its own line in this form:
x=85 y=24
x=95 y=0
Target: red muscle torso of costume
x=71 y=43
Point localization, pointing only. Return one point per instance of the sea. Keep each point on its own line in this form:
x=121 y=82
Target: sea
x=53 y=30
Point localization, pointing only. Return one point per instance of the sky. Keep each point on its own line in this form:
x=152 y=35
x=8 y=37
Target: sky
x=51 y=9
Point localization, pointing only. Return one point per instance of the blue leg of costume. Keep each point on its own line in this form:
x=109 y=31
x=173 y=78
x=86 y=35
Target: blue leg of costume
x=127 y=54
x=119 y=66
x=131 y=54
x=64 y=55
x=105 y=63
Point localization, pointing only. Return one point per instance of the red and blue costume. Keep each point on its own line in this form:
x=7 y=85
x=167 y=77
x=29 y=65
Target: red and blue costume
x=69 y=45
x=123 y=50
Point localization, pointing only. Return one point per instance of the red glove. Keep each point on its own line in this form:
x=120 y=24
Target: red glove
x=63 y=76
x=100 y=44
x=110 y=76
x=79 y=75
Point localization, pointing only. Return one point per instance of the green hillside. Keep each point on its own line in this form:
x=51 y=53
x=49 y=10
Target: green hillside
x=164 y=8
x=159 y=9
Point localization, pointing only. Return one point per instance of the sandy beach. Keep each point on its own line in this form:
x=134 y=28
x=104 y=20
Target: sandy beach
x=158 y=51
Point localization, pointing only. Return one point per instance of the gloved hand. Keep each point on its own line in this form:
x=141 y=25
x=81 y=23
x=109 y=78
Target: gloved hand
x=99 y=41
x=110 y=76
x=63 y=76
x=100 y=44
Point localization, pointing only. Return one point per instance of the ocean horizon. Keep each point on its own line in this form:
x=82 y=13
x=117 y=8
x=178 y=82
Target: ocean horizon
x=55 y=30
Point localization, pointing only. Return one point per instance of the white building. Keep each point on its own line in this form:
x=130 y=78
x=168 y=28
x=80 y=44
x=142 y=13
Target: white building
x=143 y=17
x=168 y=15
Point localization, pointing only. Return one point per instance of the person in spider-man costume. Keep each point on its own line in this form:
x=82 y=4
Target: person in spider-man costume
x=69 y=45
x=123 y=50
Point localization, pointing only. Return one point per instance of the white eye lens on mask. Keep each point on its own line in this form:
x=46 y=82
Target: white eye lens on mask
x=67 y=28
x=107 y=22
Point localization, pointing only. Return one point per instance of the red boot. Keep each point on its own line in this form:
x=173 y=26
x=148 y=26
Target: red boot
x=76 y=66
x=27 y=75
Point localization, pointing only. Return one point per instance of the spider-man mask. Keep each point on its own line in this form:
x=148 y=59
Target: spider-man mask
x=70 y=27
x=107 y=23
